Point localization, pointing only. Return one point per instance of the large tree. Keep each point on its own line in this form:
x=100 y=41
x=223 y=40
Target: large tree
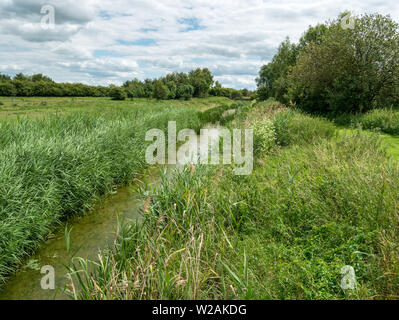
x=201 y=80
x=351 y=69
x=272 y=80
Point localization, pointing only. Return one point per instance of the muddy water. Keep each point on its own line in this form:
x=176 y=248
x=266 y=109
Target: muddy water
x=89 y=233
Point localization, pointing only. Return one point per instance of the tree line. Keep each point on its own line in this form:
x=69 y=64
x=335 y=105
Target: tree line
x=336 y=68
x=197 y=83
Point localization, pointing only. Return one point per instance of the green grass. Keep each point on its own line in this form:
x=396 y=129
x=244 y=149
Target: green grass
x=389 y=142
x=385 y=120
x=315 y=203
x=37 y=107
x=56 y=165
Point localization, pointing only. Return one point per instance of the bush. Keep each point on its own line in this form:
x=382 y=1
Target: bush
x=290 y=125
x=118 y=93
x=7 y=89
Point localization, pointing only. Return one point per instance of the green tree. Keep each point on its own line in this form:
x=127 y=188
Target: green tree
x=271 y=74
x=7 y=89
x=118 y=93
x=20 y=76
x=272 y=81
x=4 y=77
x=161 y=91
x=350 y=70
x=185 y=91
x=40 y=77
x=216 y=90
x=245 y=92
x=172 y=89
x=201 y=80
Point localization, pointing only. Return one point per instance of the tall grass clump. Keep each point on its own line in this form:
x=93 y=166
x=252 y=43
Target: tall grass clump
x=283 y=232
x=290 y=126
x=54 y=167
x=384 y=119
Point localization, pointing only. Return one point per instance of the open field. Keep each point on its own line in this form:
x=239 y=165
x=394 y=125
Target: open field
x=39 y=106
x=318 y=199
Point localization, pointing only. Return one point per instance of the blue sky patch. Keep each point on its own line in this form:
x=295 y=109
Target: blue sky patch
x=191 y=24
x=106 y=53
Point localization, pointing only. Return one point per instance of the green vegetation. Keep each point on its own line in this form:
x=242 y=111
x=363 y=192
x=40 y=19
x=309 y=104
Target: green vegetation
x=160 y=91
x=316 y=201
x=323 y=193
x=197 y=83
x=56 y=165
x=117 y=93
x=38 y=107
x=335 y=70
x=386 y=120
x=216 y=114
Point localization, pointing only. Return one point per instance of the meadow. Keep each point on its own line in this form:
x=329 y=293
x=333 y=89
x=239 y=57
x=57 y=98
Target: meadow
x=59 y=155
x=319 y=198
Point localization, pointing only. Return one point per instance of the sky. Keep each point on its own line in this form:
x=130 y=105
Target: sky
x=100 y=42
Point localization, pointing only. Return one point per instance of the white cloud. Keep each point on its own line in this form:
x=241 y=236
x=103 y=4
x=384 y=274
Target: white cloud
x=103 y=41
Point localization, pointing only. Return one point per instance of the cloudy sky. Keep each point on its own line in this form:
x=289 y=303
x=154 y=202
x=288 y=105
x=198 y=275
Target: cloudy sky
x=110 y=41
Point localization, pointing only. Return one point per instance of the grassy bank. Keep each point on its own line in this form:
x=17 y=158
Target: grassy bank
x=316 y=201
x=384 y=120
x=53 y=166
